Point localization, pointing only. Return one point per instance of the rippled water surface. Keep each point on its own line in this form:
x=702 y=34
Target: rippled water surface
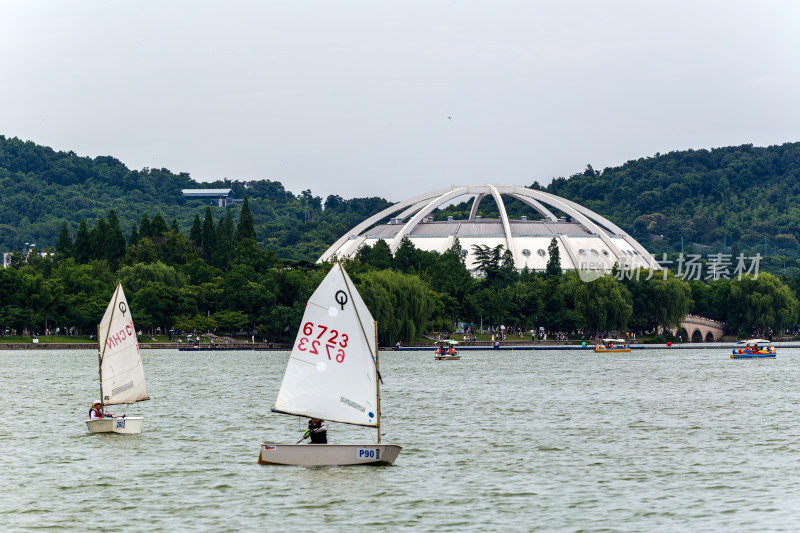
x=654 y=440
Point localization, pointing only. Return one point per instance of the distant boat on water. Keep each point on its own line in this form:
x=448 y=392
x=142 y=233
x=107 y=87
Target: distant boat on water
x=755 y=349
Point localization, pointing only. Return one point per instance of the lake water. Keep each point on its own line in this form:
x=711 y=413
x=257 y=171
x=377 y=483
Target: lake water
x=653 y=440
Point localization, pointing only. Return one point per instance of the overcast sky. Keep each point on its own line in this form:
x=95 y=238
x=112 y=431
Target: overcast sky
x=392 y=99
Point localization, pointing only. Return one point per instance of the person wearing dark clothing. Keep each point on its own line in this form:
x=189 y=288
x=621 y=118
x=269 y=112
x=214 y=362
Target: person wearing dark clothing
x=317 y=431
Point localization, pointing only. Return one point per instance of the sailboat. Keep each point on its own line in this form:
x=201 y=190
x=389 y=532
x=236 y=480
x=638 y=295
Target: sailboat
x=121 y=372
x=332 y=374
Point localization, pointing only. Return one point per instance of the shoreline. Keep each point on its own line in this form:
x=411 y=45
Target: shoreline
x=416 y=347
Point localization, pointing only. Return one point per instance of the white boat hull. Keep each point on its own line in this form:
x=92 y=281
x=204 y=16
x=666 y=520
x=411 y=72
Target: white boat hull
x=127 y=424
x=328 y=454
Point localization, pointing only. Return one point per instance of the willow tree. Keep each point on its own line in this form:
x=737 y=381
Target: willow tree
x=604 y=303
x=137 y=276
x=760 y=303
x=401 y=303
x=658 y=302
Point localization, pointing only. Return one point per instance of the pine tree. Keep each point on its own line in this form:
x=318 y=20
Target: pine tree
x=209 y=236
x=97 y=239
x=134 y=238
x=196 y=235
x=114 y=243
x=245 y=229
x=554 y=259
x=81 y=247
x=144 y=227
x=223 y=251
x=64 y=244
x=158 y=227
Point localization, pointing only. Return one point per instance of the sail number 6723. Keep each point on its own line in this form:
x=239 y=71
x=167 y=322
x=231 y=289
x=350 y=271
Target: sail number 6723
x=316 y=335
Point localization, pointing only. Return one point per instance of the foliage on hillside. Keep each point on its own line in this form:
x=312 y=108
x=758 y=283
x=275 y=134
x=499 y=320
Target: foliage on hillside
x=725 y=196
x=41 y=189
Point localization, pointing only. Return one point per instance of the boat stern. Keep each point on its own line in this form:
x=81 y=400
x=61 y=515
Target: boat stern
x=328 y=454
x=121 y=424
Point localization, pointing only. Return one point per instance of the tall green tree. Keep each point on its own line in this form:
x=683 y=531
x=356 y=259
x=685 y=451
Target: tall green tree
x=158 y=227
x=209 y=236
x=245 y=229
x=114 y=245
x=81 y=248
x=133 y=239
x=553 y=267
x=196 y=234
x=97 y=239
x=64 y=243
x=144 y=227
x=224 y=247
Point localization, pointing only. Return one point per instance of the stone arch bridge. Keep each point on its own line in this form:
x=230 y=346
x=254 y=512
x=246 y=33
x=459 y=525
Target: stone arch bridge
x=700 y=329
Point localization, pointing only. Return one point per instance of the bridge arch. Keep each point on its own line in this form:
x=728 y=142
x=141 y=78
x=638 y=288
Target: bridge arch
x=700 y=329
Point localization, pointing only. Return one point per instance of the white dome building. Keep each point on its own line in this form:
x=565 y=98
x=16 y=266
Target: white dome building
x=586 y=240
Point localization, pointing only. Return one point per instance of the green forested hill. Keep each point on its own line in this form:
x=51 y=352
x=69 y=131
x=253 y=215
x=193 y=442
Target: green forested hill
x=741 y=197
x=725 y=196
x=41 y=188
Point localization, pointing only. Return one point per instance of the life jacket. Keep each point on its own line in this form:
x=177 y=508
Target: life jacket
x=318 y=437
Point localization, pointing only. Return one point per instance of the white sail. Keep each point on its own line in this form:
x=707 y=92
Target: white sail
x=121 y=371
x=331 y=371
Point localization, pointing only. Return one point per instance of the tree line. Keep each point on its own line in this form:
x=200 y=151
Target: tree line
x=216 y=277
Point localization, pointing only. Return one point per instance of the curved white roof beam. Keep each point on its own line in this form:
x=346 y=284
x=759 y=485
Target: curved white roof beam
x=530 y=202
x=413 y=209
x=584 y=216
x=504 y=218
x=425 y=211
x=618 y=231
x=474 y=211
x=373 y=219
x=577 y=215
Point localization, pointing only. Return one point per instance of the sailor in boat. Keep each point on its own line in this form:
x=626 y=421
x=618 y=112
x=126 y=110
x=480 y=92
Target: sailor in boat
x=97 y=412
x=317 y=430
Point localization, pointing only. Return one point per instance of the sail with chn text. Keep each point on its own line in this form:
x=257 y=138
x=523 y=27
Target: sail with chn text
x=121 y=372
x=331 y=370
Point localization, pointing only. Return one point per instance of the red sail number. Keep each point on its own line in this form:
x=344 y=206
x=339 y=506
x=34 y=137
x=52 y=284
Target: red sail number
x=312 y=346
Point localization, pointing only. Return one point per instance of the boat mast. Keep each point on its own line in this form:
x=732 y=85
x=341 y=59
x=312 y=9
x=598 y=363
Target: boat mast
x=377 y=382
x=101 y=344
x=100 y=369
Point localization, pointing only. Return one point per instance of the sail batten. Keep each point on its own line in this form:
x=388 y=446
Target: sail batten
x=121 y=371
x=331 y=372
